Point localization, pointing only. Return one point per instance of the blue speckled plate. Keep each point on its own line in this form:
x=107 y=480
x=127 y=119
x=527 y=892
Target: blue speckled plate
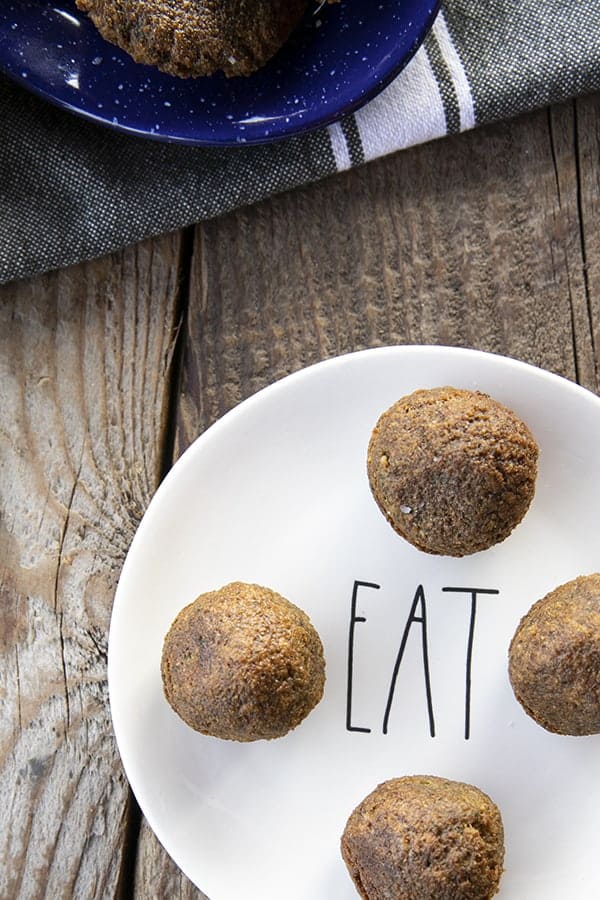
x=341 y=55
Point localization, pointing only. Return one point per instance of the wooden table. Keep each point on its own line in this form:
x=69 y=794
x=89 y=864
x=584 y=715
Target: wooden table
x=110 y=368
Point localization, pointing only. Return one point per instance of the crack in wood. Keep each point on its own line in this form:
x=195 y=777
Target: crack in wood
x=133 y=822
x=56 y=581
x=101 y=650
x=582 y=234
x=64 y=669
x=18 y=676
x=565 y=254
x=133 y=815
x=554 y=157
x=65 y=528
x=178 y=348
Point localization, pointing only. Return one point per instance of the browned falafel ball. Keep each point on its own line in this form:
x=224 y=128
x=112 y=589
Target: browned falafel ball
x=242 y=663
x=453 y=471
x=197 y=37
x=425 y=838
x=554 y=659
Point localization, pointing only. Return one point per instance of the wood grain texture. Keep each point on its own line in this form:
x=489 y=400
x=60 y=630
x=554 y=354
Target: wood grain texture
x=476 y=240
x=86 y=359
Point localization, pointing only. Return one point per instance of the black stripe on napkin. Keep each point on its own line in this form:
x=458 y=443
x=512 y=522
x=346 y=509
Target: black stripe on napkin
x=445 y=84
x=353 y=141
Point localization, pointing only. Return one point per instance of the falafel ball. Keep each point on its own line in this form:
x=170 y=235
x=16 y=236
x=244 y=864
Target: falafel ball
x=453 y=471
x=425 y=838
x=197 y=37
x=554 y=659
x=242 y=663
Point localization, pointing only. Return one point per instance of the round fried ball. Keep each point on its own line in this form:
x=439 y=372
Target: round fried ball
x=242 y=663
x=453 y=471
x=197 y=37
x=425 y=838
x=554 y=659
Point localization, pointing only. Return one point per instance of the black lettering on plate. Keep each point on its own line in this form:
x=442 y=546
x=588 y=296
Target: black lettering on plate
x=353 y=620
x=473 y=592
x=419 y=601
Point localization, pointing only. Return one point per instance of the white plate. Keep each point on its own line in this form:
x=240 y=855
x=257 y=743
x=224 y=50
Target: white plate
x=276 y=493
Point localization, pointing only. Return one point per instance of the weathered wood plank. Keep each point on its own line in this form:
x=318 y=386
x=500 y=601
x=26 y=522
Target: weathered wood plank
x=472 y=241
x=85 y=357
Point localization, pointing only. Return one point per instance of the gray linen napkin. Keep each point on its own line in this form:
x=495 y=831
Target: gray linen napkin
x=71 y=190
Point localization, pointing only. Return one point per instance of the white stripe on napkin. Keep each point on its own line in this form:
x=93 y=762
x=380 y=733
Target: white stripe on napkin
x=339 y=147
x=456 y=69
x=409 y=111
